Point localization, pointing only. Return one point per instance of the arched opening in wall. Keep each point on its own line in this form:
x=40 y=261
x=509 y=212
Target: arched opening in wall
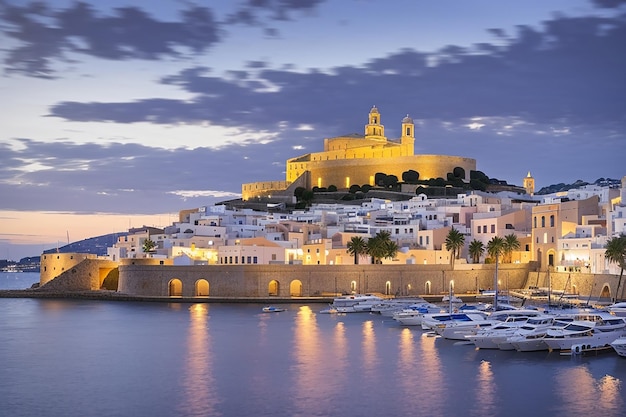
x=606 y=292
x=175 y=288
x=408 y=289
x=388 y=288
x=353 y=286
x=574 y=289
x=427 y=287
x=295 y=288
x=273 y=288
x=550 y=258
x=202 y=288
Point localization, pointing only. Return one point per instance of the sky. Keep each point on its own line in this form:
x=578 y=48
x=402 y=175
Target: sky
x=121 y=113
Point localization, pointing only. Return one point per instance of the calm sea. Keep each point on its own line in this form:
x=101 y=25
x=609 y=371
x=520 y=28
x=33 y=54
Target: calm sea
x=107 y=358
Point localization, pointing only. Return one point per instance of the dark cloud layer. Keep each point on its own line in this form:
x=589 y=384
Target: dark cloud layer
x=46 y=35
x=570 y=71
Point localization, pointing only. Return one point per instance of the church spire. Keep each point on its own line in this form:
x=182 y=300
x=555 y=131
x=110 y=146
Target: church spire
x=374 y=129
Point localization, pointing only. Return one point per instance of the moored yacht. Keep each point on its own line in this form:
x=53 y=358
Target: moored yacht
x=491 y=337
x=413 y=315
x=462 y=330
x=592 y=334
x=438 y=322
x=619 y=345
x=619 y=309
x=354 y=303
x=387 y=308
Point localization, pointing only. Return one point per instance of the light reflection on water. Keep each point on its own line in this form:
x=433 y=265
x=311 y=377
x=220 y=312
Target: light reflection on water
x=200 y=397
x=583 y=395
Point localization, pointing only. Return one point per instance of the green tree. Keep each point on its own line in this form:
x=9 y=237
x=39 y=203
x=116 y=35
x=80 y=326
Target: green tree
x=476 y=250
x=495 y=248
x=454 y=243
x=381 y=246
x=307 y=198
x=148 y=245
x=615 y=252
x=357 y=246
x=511 y=243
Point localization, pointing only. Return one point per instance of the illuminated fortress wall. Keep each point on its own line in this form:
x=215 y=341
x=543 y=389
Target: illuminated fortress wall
x=344 y=173
x=356 y=159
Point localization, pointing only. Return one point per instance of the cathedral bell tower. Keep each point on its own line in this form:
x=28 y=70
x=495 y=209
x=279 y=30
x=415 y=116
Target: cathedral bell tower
x=529 y=184
x=407 y=140
x=374 y=130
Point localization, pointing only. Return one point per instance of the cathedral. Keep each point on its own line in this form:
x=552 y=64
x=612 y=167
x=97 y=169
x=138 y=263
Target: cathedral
x=355 y=159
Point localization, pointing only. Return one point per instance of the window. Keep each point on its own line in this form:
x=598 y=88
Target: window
x=249 y=259
x=493 y=228
x=552 y=220
x=543 y=221
x=254 y=260
x=535 y=222
x=485 y=229
x=478 y=230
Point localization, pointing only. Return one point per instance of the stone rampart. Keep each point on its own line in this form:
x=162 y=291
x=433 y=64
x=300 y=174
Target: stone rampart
x=87 y=275
x=312 y=280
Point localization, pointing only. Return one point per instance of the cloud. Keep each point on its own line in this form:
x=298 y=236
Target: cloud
x=45 y=36
x=569 y=70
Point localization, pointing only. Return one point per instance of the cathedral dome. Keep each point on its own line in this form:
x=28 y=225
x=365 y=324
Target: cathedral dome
x=374 y=110
x=407 y=119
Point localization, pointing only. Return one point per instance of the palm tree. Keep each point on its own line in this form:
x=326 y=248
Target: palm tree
x=616 y=252
x=454 y=243
x=378 y=246
x=357 y=246
x=511 y=243
x=148 y=245
x=391 y=249
x=495 y=248
x=476 y=250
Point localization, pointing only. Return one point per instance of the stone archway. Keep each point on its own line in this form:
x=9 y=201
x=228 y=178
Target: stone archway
x=202 y=288
x=175 y=288
x=427 y=287
x=606 y=292
x=353 y=287
x=295 y=288
x=273 y=288
x=388 y=288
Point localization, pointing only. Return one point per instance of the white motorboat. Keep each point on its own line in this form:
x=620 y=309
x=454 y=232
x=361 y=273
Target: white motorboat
x=438 y=322
x=413 y=315
x=354 y=303
x=387 y=308
x=491 y=337
x=619 y=345
x=524 y=334
x=619 y=309
x=531 y=336
x=451 y=299
x=462 y=330
x=592 y=334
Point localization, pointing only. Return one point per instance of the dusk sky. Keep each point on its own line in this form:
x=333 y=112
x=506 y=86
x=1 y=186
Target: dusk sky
x=119 y=113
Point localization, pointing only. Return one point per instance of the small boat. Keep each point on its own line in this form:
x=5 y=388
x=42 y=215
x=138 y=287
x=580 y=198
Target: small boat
x=272 y=309
x=618 y=309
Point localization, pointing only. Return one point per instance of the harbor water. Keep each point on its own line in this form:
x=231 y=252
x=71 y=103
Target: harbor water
x=109 y=358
